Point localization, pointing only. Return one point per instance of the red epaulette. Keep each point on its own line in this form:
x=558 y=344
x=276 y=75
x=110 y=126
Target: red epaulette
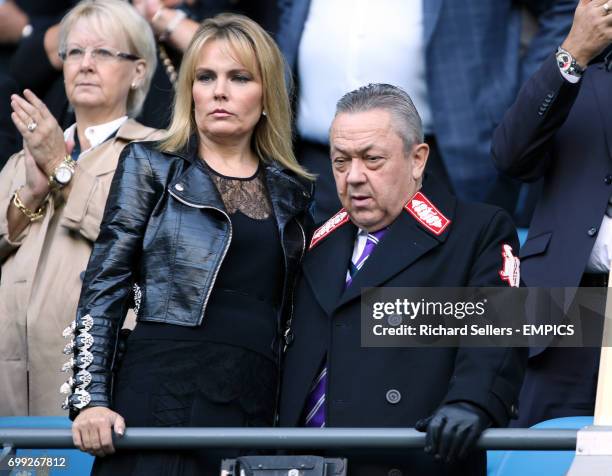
x=330 y=225
x=427 y=214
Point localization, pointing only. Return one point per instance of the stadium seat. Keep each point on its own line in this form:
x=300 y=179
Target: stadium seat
x=536 y=463
x=77 y=462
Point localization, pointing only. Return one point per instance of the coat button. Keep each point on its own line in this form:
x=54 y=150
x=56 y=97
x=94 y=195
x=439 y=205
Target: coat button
x=394 y=320
x=179 y=187
x=394 y=472
x=608 y=179
x=592 y=231
x=393 y=396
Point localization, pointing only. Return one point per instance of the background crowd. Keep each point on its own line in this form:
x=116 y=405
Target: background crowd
x=508 y=120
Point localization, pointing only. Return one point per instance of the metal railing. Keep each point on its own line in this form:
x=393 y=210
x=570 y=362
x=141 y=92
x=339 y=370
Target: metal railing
x=289 y=438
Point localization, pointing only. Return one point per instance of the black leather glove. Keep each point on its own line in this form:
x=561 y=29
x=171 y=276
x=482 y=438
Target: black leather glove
x=453 y=430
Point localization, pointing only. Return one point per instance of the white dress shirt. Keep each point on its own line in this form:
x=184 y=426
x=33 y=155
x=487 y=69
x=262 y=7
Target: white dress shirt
x=96 y=134
x=350 y=43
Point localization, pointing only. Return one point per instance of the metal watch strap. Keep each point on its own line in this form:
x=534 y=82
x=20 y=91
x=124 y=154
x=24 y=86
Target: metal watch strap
x=67 y=161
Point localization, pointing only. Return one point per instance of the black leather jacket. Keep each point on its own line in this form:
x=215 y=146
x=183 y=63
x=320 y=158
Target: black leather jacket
x=165 y=227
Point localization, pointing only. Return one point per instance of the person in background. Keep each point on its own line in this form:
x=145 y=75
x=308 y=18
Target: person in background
x=53 y=194
x=24 y=63
x=560 y=130
x=210 y=224
x=459 y=61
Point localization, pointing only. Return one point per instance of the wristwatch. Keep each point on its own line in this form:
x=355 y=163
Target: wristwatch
x=567 y=63
x=62 y=175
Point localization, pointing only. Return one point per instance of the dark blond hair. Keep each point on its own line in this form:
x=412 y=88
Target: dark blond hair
x=257 y=52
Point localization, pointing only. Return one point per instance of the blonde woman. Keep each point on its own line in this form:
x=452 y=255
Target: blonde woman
x=53 y=193
x=209 y=225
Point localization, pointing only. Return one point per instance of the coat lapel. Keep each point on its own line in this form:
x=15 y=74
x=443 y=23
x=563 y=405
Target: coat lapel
x=287 y=195
x=104 y=158
x=326 y=264
x=407 y=240
x=194 y=187
x=402 y=245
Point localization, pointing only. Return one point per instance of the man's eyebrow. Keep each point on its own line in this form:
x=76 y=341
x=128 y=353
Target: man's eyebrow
x=358 y=151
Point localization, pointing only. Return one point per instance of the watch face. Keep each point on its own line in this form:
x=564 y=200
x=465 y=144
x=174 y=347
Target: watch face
x=63 y=174
x=564 y=60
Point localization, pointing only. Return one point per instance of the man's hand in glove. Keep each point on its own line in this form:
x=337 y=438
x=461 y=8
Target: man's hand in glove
x=453 y=430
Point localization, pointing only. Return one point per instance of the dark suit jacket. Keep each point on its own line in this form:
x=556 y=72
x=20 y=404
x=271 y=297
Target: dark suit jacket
x=327 y=322
x=474 y=70
x=561 y=132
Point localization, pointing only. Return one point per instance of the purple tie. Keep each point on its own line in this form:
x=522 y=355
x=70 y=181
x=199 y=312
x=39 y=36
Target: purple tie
x=371 y=242
x=315 y=403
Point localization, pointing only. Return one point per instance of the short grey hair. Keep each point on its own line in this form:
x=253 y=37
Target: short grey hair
x=389 y=98
x=119 y=19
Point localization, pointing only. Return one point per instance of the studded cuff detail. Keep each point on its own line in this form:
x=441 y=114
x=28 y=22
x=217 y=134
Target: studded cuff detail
x=77 y=397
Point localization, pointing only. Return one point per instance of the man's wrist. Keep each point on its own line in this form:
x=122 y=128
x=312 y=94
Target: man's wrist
x=582 y=57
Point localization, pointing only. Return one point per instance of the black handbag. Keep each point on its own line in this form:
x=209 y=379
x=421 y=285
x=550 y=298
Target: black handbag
x=302 y=465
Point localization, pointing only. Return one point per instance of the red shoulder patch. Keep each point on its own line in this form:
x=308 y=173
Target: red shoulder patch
x=427 y=214
x=330 y=225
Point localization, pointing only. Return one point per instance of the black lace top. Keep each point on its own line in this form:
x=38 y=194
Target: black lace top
x=248 y=195
x=243 y=306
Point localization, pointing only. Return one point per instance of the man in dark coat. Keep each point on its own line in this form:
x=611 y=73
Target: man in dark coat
x=426 y=238
x=560 y=129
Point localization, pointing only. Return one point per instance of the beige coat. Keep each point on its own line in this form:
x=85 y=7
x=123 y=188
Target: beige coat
x=41 y=276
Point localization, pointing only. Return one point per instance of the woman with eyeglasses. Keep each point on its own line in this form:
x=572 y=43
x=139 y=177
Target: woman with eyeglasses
x=53 y=194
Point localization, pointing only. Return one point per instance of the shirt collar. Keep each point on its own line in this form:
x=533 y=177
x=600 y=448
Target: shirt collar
x=97 y=134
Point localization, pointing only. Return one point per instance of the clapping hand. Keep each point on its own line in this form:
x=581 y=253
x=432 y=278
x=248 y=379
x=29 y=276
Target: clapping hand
x=42 y=135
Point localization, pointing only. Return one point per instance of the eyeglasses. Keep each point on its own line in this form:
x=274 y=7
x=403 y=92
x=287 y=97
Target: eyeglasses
x=75 y=54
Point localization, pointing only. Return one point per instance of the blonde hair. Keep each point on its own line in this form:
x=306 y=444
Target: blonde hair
x=256 y=51
x=117 y=18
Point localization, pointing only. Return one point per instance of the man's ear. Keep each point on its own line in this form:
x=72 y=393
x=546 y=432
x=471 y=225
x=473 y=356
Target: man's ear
x=419 y=155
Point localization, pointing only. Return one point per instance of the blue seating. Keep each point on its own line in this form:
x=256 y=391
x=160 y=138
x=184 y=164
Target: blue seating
x=536 y=463
x=77 y=462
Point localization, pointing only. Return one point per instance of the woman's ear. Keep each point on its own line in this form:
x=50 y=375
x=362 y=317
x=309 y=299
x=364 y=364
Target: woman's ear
x=140 y=70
